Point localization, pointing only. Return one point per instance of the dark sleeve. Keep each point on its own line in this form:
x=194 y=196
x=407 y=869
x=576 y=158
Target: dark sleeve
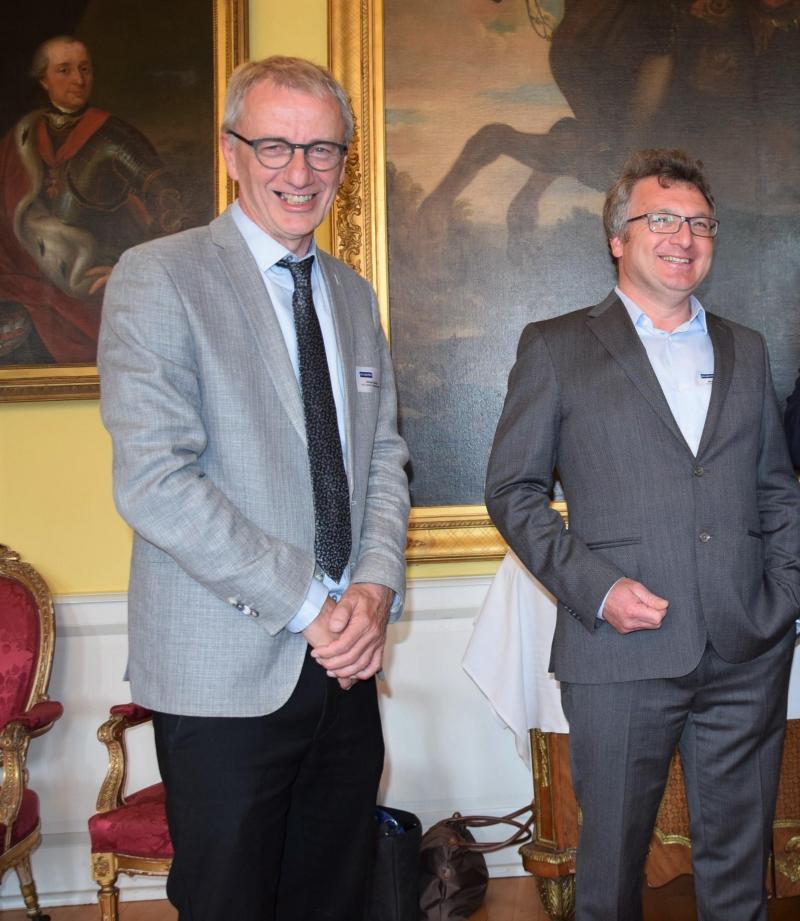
x=791 y=422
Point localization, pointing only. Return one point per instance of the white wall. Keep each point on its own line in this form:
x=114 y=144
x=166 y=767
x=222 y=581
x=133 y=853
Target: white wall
x=445 y=750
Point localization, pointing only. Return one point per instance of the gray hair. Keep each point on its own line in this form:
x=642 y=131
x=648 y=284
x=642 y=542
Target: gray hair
x=669 y=166
x=41 y=57
x=287 y=73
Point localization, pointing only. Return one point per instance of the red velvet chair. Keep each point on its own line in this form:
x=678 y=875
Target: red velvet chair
x=129 y=834
x=27 y=636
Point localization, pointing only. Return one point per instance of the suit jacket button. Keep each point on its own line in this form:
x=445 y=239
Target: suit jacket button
x=699 y=471
x=705 y=537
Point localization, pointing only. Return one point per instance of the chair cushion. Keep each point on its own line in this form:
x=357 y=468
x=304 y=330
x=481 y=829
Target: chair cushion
x=139 y=828
x=19 y=641
x=26 y=820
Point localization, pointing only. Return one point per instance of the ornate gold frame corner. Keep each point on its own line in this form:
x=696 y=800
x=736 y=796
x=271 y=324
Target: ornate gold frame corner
x=29 y=383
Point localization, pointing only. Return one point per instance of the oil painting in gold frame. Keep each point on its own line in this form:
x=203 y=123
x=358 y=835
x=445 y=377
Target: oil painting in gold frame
x=487 y=134
x=149 y=58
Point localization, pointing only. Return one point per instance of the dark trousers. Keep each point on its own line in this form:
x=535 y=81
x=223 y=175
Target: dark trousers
x=272 y=817
x=729 y=722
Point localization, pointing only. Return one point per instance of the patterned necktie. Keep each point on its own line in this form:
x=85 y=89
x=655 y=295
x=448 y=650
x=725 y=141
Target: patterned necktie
x=328 y=478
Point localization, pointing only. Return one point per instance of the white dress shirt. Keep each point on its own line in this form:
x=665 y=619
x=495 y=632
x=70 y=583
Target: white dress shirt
x=683 y=362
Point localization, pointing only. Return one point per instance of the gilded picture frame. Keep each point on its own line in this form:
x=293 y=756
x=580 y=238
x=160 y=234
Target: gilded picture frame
x=437 y=534
x=227 y=37
x=488 y=133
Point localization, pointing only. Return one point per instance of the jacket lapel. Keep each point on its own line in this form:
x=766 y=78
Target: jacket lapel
x=611 y=324
x=722 y=341
x=251 y=292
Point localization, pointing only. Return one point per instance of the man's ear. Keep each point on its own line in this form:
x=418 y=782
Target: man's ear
x=342 y=170
x=615 y=245
x=226 y=146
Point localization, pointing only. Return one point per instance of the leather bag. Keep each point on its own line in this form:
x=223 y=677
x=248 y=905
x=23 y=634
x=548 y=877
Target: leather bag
x=452 y=869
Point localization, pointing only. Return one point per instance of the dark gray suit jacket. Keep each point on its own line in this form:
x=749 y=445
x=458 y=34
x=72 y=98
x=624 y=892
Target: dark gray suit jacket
x=717 y=535
x=211 y=468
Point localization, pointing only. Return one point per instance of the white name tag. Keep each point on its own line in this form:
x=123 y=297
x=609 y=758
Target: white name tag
x=367 y=380
x=705 y=377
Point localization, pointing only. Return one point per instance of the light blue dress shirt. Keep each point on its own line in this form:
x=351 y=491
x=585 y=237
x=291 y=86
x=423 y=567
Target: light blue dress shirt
x=683 y=362
x=280 y=288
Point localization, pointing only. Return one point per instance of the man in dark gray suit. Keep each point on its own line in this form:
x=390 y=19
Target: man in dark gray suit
x=678 y=581
x=249 y=393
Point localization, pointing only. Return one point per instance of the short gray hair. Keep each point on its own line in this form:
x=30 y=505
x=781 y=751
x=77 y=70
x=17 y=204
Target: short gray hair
x=669 y=166
x=41 y=57
x=288 y=73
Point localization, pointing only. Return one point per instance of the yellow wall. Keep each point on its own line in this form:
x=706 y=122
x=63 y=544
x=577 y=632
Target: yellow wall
x=55 y=458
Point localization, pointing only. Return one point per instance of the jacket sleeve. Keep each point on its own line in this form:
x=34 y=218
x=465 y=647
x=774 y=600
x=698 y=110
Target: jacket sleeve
x=791 y=421
x=519 y=483
x=152 y=407
x=779 y=510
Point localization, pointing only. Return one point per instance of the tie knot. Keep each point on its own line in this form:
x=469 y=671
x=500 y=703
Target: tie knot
x=301 y=271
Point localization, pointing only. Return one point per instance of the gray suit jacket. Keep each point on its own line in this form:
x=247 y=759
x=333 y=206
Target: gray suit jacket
x=717 y=535
x=211 y=468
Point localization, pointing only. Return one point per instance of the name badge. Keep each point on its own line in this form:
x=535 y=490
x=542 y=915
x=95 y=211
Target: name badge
x=367 y=380
x=706 y=377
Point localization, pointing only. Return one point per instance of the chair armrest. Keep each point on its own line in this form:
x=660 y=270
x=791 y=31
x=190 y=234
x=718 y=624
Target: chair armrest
x=112 y=735
x=133 y=713
x=39 y=718
x=14 y=740
x=15 y=736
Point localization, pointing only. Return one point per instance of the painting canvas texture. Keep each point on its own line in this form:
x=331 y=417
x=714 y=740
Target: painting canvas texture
x=77 y=189
x=506 y=121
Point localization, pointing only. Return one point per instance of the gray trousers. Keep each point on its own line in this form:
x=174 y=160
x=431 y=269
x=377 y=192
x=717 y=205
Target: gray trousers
x=729 y=722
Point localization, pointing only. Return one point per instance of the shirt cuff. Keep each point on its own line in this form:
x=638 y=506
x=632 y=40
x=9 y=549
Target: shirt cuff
x=397 y=607
x=315 y=598
x=599 y=615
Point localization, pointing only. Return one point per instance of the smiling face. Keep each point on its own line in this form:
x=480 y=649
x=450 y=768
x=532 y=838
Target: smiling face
x=660 y=271
x=291 y=202
x=68 y=78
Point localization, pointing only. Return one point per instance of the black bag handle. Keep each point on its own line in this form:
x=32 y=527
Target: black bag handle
x=523 y=830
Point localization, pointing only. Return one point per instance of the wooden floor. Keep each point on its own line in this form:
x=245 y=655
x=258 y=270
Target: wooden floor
x=507 y=900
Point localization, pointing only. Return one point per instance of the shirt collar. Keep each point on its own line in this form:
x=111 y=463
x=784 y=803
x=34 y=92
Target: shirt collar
x=265 y=250
x=695 y=323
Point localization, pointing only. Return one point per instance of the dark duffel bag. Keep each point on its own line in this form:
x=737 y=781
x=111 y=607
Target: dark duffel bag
x=394 y=887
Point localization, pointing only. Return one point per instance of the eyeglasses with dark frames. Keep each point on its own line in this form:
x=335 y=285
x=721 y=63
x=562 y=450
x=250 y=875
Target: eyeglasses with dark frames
x=275 y=153
x=667 y=222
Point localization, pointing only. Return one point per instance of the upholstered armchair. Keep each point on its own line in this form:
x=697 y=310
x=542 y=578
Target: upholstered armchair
x=27 y=636
x=129 y=833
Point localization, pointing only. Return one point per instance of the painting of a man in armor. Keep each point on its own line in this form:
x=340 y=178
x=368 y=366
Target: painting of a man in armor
x=78 y=186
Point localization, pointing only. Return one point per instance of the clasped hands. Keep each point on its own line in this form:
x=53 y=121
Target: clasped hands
x=347 y=638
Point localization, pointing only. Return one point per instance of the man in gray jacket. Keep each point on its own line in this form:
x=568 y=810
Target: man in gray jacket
x=678 y=580
x=248 y=390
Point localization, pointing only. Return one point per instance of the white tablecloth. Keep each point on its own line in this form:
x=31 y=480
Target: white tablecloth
x=509 y=653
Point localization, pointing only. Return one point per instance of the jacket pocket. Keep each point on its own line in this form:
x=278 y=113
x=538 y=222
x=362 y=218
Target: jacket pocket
x=619 y=542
